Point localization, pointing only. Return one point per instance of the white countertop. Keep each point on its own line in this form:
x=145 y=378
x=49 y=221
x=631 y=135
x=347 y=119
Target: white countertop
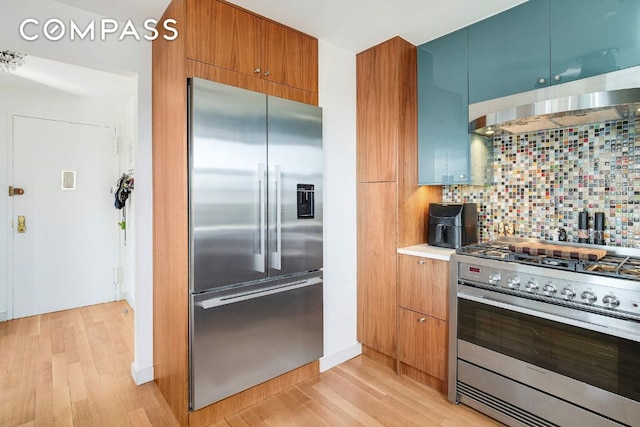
x=428 y=251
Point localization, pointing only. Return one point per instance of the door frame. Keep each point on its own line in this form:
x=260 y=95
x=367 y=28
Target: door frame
x=10 y=214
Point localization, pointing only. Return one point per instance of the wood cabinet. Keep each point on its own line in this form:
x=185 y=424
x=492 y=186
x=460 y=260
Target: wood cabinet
x=226 y=36
x=232 y=39
x=423 y=319
x=389 y=199
x=391 y=205
x=377 y=303
x=422 y=343
x=380 y=80
x=423 y=285
x=289 y=57
x=223 y=35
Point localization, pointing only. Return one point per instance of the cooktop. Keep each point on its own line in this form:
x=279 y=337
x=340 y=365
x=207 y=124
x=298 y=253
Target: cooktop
x=618 y=262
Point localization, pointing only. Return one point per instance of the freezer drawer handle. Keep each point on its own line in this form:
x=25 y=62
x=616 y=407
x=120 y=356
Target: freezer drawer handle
x=260 y=256
x=230 y=299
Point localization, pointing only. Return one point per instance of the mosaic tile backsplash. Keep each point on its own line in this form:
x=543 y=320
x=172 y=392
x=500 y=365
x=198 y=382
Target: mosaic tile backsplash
x=542 y=180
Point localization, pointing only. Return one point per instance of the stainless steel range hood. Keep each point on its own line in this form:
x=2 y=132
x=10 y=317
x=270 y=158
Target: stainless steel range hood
x=604 y=98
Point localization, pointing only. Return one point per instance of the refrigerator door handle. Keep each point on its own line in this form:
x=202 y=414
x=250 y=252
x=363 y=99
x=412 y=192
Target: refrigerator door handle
x=276 y=258
x=262 y=195
x=243 y=296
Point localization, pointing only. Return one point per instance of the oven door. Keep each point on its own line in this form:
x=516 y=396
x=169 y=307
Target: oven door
x=583 y=368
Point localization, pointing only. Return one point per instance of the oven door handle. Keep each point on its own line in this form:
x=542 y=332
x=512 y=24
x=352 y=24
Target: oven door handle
x=607 y=330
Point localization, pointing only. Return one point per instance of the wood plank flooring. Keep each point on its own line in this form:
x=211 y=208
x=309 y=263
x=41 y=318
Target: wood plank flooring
x=359 y=392
x=72 y=368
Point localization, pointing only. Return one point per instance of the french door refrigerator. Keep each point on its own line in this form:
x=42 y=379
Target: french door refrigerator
x=255 y=224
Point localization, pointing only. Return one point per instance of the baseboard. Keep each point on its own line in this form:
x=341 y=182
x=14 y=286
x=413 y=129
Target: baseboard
x=381 y=358
x=127 y=296
x=3 y=316
x=141 y=376
x=334 y=359
x=423 y=377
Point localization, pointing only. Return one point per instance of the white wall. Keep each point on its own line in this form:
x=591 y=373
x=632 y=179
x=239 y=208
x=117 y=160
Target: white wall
x=128 y=57
x=127 y=146
x=337 y=85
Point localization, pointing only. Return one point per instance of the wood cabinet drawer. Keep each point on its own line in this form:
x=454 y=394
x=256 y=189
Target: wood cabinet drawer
x=424 y=285
x=423 y=342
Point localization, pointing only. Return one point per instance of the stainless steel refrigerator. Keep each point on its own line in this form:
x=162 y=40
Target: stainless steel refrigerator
x=255 y=224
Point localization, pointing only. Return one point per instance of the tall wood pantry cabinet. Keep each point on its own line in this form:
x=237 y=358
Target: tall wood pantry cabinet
x=390 y=204
x=221 y=42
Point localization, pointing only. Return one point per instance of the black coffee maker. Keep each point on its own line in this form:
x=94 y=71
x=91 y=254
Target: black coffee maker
x=452 y=225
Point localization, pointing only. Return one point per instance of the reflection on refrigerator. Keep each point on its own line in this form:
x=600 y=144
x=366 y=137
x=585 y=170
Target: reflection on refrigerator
x=255 y=181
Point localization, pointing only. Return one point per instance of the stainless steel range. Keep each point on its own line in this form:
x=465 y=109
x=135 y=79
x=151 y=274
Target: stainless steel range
x=539 y=340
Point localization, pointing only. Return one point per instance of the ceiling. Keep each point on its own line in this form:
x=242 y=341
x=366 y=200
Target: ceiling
x=353 y=25
x=44 y=74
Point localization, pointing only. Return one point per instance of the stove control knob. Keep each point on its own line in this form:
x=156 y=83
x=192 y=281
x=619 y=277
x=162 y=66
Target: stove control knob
x=532 y=287
x=494 y=279
x=549 y=290
x=589 y=297
x=568 y=293
x=513 y=282
x=611 y=301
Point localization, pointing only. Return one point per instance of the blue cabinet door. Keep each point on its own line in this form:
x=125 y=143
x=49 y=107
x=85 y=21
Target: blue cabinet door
x=509 y=52
x=593 y=37
x=443 y=111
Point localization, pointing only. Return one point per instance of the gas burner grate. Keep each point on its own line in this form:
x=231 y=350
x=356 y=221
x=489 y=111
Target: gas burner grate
x=545 y=261
x=495 y=254
x=492 y=250
x=611 y=265
x=614 y=266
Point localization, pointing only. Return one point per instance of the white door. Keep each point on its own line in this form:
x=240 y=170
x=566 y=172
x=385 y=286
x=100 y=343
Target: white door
x=65 y=256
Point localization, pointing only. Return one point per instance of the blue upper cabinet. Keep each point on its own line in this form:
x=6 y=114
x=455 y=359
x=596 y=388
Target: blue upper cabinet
x=594 y=37
x=546 y=42
x=443 y=113
x=509 y=52
x=535 y=44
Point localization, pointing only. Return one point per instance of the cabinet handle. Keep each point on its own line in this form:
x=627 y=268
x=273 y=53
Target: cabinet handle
x=257 y=70
x=421 y=261
x=557 y=78
x=422 y=319
x=542 y=81
x=266 y=73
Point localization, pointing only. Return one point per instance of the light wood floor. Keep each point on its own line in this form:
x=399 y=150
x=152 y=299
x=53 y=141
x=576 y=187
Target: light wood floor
x=359 y=392
x=73 y=368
